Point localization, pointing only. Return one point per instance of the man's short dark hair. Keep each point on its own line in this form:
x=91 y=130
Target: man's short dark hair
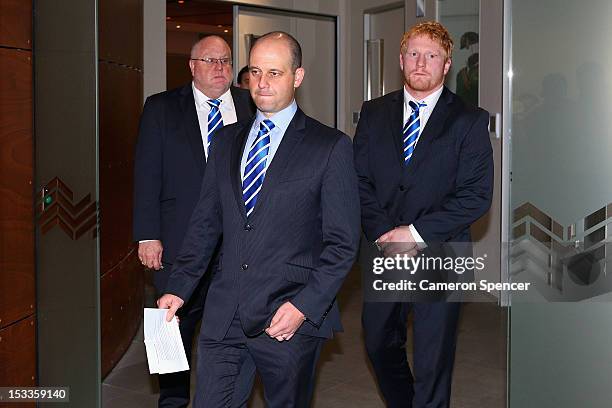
x=294 y=46
x=243 y=71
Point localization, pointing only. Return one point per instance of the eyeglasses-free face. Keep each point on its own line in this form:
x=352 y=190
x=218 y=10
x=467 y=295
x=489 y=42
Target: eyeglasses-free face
x=424 y=64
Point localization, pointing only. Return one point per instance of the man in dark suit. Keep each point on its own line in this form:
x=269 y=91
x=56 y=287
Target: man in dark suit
x=282 y=192
x=425 y=169
x=176 y=129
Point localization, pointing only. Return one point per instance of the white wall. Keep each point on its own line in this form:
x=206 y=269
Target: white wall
x=316 y=37
x=154 y=47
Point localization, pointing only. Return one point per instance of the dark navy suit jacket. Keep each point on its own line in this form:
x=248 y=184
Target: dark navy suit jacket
x=448 y=183
x=169 y=167
x=297 y=245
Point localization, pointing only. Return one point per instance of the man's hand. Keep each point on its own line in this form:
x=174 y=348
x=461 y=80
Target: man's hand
x=150 y=254
x=398 y=241
x=170 y=302
x=285 y=322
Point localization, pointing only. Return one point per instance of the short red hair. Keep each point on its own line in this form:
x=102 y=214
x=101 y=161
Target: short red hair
x=434 y=31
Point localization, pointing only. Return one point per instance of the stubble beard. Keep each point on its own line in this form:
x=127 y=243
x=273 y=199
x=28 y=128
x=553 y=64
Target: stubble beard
x=419 y=84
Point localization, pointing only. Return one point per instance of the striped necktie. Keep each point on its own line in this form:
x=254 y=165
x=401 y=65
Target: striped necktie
x=215 y=121
x=411 y=131
x=255 y=169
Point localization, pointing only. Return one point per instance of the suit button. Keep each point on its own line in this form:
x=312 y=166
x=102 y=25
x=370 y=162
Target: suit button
x=244 y=267
x=402 y=188
x=248 y=227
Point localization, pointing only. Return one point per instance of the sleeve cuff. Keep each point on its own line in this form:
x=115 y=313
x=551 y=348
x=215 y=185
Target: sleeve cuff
x=417 y=237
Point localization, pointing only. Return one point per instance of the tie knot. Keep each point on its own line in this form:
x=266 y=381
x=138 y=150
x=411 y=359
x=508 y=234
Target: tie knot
x=266 y=125
x=415 y=107
x=214 y=103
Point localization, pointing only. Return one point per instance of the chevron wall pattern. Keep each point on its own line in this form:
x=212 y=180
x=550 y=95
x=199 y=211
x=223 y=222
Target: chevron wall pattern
x=56 y=207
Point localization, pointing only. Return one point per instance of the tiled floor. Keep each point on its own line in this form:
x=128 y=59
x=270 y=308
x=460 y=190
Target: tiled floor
x=344 y=377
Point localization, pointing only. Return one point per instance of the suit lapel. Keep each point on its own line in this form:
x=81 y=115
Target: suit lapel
x=396 y=122
x=242 y=104
x=238 y=147
x=433 y=129
x=192 y=127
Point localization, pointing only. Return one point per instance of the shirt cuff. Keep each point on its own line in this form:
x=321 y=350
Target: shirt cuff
x=417 y=237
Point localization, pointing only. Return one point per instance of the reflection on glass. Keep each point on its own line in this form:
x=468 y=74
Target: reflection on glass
x=461 y=19
x=561 y=198
x=560 y=150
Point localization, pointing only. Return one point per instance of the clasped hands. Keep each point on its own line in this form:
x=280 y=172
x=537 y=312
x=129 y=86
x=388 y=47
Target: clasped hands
x=286 y=321
x=398 y=241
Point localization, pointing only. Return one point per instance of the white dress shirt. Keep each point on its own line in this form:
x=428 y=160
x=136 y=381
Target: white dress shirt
x=281 y=120
x=424 y=114
x=228 y=112
x=425 y=111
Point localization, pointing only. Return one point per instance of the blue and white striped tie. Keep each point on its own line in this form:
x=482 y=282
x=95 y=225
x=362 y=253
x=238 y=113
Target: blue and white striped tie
x=411 y=131
x=255 y=169
x=215 y=121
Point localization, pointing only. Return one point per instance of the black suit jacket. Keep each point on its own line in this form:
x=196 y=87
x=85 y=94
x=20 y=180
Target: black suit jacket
x=169 y=167
x=298 y=244
x=448 y=183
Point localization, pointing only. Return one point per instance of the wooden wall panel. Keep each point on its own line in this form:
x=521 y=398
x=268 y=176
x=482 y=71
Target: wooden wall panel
x=18 y=357
x=120 y=107
x=120 y=96
x=122 y=301
x=18 y=354
x=16 y=23
x=120 y=23
x=16 y=174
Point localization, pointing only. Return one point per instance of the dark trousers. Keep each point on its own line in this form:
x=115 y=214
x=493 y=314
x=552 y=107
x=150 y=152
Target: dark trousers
x=174 y=389
x=428 y=385
x=287 y=368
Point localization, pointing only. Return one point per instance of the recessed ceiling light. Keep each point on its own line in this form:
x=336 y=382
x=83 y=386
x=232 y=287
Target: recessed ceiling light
x=181 y=1
x=168 y=18
x=226 y=31
x=178 y=26
x=220 y=26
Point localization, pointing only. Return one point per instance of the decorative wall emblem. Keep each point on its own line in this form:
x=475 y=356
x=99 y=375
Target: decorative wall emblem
x=56 y=207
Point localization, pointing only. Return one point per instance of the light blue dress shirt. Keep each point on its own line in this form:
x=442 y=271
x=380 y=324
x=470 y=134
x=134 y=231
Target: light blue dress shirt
x=281 y=122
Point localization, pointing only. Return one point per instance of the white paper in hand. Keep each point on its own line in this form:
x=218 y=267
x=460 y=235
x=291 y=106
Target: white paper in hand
x=165 y=351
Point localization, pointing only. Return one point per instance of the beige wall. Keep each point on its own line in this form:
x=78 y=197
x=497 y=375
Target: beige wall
x=154 y=47
x=316 y=95
x=350 y=62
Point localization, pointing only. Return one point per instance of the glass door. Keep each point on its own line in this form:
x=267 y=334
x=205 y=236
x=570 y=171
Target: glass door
x=557 y=96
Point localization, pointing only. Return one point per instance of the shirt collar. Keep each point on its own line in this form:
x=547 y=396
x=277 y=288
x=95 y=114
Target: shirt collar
x=201 y=98
x=281 y=119
x=430 y=100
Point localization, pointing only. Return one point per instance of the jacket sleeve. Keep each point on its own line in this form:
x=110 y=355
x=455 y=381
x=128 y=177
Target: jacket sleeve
x=148 y=171
x=340 y=227
x=203 y=234
x=374 y=219
x=474 y=187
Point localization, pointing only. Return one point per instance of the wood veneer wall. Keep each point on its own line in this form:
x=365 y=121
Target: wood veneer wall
x=17 y=275
x=120 y=90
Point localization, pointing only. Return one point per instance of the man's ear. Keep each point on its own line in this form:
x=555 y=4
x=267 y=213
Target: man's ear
x=447 y=65
x=191 y=67
x=299 y=77
x=401 y=59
